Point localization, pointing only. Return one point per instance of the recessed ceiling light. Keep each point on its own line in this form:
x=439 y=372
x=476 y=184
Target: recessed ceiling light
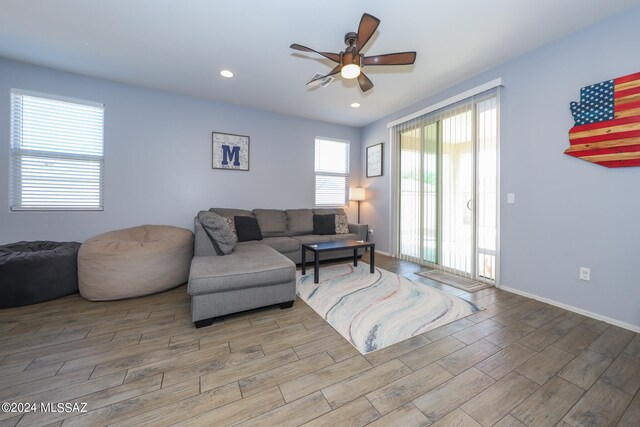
x=226 y=73
x=355 y=105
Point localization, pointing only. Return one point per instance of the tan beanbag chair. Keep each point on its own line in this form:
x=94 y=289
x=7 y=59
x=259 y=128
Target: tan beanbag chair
x=134 y=262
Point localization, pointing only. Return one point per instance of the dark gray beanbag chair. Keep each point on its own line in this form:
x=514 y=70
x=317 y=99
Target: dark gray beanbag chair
x=32 y=272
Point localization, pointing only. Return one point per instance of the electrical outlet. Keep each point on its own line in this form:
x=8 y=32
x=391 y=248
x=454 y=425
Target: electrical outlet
x=585 y=274
x=511 y=198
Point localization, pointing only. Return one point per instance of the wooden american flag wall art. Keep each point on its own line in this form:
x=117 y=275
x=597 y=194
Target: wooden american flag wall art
x=607 y=123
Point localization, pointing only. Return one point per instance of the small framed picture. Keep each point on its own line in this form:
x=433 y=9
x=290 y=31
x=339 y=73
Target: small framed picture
x=374 y=160
x=230 y=151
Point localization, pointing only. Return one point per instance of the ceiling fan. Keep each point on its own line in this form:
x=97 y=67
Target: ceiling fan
x=350 y=61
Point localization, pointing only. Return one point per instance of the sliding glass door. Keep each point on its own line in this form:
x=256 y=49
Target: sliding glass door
x=447 y=166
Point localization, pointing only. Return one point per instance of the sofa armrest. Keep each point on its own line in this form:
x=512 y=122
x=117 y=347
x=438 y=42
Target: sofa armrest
x=360 y=229
x=202 y=244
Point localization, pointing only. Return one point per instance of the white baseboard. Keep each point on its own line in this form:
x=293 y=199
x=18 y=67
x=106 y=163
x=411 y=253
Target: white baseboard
x=382 y=252
x=587 y=313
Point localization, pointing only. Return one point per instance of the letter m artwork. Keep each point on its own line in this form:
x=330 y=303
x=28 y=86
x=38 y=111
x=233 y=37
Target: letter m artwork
x=230 y=151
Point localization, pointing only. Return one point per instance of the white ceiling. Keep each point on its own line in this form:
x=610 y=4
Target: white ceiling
x=181 y=46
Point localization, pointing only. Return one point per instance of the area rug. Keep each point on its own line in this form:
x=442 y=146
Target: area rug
x=373 y=311
x=455 y=281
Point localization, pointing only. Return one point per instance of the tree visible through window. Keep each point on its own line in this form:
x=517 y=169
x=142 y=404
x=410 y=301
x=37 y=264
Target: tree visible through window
x=57 y=153
x=332 y=172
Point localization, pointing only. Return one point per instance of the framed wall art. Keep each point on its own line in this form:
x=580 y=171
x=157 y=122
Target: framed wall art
x=607 y=123
x=374 y=160
x=230 y=151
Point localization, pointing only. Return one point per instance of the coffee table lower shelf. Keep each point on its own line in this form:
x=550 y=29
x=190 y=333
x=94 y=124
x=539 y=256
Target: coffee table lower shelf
x=318 y=248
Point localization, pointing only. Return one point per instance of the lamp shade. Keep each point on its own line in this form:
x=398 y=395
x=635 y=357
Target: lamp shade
x=357 y=194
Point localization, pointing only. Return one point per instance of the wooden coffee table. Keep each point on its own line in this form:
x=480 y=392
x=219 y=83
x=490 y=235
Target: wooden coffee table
x=318 y=248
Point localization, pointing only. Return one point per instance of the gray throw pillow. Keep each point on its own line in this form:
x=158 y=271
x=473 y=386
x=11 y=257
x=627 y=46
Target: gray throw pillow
x=218 y=230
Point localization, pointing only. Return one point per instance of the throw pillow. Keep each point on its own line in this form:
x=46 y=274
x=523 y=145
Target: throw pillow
x=342 y=224
x=324 y=224
x=216 y=227
x=232 y=225
x=247 y=228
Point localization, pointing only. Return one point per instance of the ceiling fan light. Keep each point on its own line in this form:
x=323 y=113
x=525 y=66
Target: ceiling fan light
x=350 y=71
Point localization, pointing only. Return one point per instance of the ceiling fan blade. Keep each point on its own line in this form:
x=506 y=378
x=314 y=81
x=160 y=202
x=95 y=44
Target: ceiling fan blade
x=364 y=82
x=368 y=26
x=332 y=56
x=336 y=70
x=400 y=58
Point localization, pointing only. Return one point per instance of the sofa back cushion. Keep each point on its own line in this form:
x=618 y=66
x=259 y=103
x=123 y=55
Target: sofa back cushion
x=299 y=221
x=324 y=211
x=230 y=212
x=273 y=222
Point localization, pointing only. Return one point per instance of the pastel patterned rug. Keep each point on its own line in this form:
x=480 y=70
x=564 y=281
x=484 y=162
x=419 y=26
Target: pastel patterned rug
x=373 y=311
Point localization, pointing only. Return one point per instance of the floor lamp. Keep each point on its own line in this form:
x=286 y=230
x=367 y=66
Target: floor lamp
x=357 y=195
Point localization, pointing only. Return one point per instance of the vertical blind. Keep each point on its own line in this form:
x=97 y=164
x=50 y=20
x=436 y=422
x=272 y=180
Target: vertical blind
x=439 y=181
x=487 y=187
x=57 y=153
x=332 y=172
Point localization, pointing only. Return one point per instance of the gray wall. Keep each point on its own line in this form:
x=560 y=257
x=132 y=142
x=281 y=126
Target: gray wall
x=158 y=157
x=568 y=212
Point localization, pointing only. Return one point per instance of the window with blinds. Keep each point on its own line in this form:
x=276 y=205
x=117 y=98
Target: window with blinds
x=57 y=153
x=332 y=172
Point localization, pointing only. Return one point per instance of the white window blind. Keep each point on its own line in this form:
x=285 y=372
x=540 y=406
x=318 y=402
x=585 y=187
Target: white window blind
x=57 y=147
x=332 y=172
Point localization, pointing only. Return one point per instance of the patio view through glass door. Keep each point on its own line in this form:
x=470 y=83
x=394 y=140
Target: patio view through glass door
x=447 y=167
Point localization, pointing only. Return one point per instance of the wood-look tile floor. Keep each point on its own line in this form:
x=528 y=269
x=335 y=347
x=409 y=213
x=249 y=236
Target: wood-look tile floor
x=141 y=362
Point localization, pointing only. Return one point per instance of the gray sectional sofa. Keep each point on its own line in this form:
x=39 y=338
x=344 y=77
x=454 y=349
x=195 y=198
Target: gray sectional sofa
x=257 y=273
